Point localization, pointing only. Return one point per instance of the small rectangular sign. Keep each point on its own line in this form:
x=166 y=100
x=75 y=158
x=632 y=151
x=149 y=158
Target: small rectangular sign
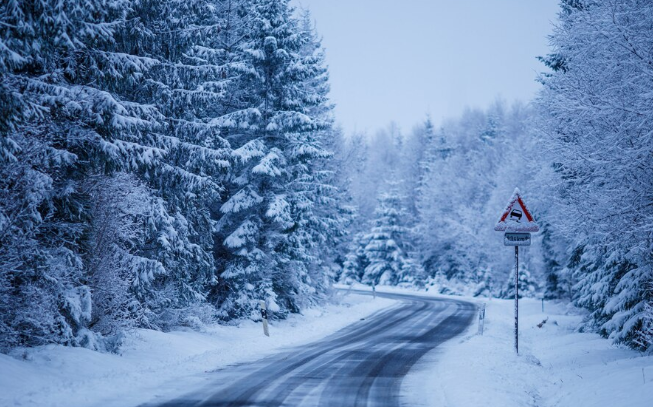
x=517 y=239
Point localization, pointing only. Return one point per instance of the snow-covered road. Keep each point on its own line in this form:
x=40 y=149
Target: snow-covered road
x=361 y=365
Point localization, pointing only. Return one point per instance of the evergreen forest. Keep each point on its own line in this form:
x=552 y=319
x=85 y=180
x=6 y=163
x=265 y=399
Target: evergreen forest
x=169 y=163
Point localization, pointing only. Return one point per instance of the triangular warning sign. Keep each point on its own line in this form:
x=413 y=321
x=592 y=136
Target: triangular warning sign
x=516 y=218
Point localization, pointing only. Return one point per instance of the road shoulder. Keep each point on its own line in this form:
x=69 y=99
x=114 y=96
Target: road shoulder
x=156 y=365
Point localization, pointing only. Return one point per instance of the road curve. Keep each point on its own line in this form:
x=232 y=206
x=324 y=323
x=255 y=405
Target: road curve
x=360 y=365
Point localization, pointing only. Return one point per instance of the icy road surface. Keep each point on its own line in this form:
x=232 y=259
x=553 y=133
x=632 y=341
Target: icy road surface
x=361 y=365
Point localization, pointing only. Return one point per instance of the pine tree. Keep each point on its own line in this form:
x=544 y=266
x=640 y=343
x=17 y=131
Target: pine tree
x=555 y=285
x=484 y=282
x=189 y=87
x=528 y=287
x=80 y=110
x=58 y=127
x=270 y=225
x=388 y=243
x=355 y=261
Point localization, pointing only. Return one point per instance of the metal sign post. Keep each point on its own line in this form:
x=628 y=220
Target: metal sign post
x=517 y=223
x=517 y=299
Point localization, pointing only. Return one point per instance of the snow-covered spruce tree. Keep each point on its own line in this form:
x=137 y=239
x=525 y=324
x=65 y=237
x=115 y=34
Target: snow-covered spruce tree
x=646 y=340
x=483 y=282
x=190 y=86
x=324 y=187
x=355 y=261
x=599 y=273
x=528 y=287
x=555 y=284
x=58 y=127
x=91 y=90
x=429 y=149
x=271 y=220
x=335 y=205
x=351 y=267
x=118 y=273
x=597 y=105
x=389 y=243
x=172 y=264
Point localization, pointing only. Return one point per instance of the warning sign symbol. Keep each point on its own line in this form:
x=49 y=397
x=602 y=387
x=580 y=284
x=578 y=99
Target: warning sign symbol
x=516 y=215
x=516 y=218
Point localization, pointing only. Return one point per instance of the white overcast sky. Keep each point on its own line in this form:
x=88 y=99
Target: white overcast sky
x=399 y=60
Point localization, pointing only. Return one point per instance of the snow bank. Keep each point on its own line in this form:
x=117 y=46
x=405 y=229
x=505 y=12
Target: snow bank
x=557 y=366
x=160 y=365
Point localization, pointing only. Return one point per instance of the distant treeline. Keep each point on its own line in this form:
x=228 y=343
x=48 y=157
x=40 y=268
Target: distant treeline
x=582 y=153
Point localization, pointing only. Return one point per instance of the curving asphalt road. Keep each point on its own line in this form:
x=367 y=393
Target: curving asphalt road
x=360 y=365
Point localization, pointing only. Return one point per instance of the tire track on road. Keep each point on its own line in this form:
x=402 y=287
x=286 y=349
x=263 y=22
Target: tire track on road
x=361 y=365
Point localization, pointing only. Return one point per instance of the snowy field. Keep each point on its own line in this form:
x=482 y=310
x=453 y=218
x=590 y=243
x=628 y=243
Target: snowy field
x=160 y=365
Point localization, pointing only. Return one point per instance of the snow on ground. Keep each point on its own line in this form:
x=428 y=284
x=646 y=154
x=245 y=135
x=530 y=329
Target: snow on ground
x=160 y=365
x=556 y=367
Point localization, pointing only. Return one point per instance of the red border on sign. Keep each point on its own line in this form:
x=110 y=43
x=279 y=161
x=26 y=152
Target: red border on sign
x=528 y=214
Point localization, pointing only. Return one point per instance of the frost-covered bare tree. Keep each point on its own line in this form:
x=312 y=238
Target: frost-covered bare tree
x=598 y=112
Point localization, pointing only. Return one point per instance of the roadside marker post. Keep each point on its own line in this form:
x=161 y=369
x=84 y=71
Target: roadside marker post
x=373 y=290
x=264 y=316
x=481 y=320
x=517 y=223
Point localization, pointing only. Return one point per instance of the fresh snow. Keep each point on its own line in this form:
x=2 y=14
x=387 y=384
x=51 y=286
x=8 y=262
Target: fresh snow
x=155 y=365
x=557 y=366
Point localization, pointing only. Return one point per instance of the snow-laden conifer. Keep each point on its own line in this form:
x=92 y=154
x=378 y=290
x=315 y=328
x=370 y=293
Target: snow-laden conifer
x=528 y=287
x=389 y=243
x=274 y=218
x=59 y=125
